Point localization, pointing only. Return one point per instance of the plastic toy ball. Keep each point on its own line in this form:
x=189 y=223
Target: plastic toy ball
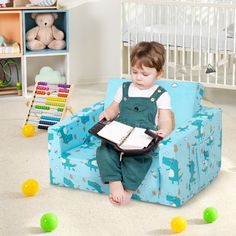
x=30 y=187
x=210 y=214
x=178 y=224
x=28 y=130
x=49 y=222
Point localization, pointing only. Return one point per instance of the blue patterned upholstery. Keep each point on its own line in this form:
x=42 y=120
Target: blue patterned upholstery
x=185 y=163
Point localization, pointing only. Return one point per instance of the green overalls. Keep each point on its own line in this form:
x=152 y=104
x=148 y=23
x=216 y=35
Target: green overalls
x=130 y=170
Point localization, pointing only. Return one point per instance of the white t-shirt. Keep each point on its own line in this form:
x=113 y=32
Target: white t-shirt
x=163 y=102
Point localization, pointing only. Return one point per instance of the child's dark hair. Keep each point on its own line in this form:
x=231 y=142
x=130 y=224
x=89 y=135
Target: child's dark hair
x=149 y=54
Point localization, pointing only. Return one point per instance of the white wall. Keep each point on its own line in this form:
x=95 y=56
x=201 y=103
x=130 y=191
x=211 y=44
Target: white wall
x=95 y=44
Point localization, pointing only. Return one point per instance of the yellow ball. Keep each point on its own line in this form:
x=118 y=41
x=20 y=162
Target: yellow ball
x=30 y=187
x=178 y=224
x=28 y=130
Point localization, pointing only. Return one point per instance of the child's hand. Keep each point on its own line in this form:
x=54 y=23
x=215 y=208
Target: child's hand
x=111 y=112
x=162 y=133
x=104 y=115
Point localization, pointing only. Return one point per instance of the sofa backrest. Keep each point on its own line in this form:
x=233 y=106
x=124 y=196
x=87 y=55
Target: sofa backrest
x=185 y=97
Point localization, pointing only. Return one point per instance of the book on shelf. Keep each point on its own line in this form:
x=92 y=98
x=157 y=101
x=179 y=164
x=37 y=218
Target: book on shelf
x=10 y=48
x=132 y=140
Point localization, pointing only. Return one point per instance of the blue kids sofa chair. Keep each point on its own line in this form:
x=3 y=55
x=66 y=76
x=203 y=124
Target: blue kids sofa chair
x=184 y=163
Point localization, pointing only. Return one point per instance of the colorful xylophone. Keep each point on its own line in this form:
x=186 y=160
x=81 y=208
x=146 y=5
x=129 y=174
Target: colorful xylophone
x=48 y=105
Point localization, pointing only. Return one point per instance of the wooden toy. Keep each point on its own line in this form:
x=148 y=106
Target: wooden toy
x=9 y=77
x=48 y=105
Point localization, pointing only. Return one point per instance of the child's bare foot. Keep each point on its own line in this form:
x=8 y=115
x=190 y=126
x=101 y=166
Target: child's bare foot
x=112 y=201
x=116 y=192
x=127 y=197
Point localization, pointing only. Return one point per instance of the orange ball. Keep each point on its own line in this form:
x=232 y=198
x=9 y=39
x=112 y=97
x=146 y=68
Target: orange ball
x=28 y=130
x=30 y=187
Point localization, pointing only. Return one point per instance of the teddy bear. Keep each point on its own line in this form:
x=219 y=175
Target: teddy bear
x=45 y=34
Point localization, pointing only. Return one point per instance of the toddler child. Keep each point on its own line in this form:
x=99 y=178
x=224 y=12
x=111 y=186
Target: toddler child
x=140 y=103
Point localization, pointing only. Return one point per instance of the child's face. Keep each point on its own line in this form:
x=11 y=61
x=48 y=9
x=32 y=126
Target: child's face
x=144 y=77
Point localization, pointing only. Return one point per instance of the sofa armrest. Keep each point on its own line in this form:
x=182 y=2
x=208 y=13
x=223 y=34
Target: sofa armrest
x=189 y=153
x=73 y=131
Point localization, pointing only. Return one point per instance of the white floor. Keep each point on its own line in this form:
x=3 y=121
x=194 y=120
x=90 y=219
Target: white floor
x=85 y=213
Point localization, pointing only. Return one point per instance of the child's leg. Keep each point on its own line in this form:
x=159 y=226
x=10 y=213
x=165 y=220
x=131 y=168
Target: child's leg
x=134 y=170
x=110 y=171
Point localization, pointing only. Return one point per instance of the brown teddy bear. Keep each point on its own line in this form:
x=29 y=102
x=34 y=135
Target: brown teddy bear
x=45 y=34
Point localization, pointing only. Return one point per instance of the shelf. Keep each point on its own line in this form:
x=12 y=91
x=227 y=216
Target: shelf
x=22 y=5
x=34 y=64
x=54 y=53
x=61 y=23
x=13 y=31
x=10 y=55
x=45 y=52
x=26 y=8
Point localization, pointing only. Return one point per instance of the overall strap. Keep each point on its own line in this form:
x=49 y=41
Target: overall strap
x=158 y=92
x=126 y=89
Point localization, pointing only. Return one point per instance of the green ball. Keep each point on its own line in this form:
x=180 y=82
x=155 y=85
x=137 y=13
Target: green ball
x=210 y=214
x=49 y=222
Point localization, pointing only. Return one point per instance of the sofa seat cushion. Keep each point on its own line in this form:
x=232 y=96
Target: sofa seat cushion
x=78 y=169
x=83 y=156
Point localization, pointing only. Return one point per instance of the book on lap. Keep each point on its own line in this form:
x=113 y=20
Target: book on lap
x=125 y=138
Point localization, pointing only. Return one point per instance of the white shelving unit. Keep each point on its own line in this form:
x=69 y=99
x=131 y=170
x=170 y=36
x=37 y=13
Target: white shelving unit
x=30 y=62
